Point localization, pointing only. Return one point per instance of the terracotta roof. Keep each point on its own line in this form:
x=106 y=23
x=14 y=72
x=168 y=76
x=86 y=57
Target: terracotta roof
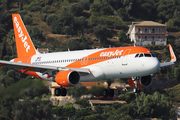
x=148 y=23
x=43 y=49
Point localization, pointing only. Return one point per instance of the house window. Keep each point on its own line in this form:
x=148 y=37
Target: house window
x=159 y=38
x=145 y=37
x=153 y=30
x=139 y=30
x=146 y=30
x=153 y=37
x=149 y=30
x=159 y=30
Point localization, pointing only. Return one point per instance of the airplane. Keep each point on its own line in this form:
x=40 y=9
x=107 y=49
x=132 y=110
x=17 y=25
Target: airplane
x=69 y=68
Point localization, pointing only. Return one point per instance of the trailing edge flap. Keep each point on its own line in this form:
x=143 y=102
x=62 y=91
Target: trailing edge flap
x=39 y=68
x=173 y=58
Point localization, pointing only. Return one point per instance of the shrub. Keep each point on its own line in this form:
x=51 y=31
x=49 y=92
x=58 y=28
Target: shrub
x=43 y=16
x=27 y=20
x=129 y=96
x=121 y=97
x=45 y=9
x=51 y=18
x=36 y=33
x=67 y=30
x=34 y=6
x=85 y=4
x=23 y=12
x=76 y=9
x=82 y=102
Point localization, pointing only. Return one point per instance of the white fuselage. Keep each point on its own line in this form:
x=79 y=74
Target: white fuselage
x=103 y=67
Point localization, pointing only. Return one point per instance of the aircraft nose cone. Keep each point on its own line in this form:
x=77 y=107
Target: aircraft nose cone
x=154 y=65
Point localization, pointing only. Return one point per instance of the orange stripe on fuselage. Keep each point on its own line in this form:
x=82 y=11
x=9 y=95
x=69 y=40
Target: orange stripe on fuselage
x=107 y=54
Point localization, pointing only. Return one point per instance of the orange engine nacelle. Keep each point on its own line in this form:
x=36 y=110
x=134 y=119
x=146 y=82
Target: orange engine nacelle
x=67 y=78
x=143 y=82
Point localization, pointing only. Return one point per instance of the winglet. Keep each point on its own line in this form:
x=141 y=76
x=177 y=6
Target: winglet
x=173 y=57
x=24 y=45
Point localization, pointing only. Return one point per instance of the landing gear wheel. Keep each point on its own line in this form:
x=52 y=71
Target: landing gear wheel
x=60 y=91
x=57 y=92
x=105 y=92
x=111 y=92
x=63 y=91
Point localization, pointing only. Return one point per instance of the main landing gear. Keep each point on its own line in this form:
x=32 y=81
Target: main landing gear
x=136 y=90
x=108 y=92
x=60 y=91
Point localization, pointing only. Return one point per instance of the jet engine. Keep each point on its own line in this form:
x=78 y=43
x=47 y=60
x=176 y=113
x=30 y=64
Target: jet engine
x=143 y=82
x=67 y=78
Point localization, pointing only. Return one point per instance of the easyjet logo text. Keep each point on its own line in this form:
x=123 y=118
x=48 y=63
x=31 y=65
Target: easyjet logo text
x=111 y=53
x=21 y=35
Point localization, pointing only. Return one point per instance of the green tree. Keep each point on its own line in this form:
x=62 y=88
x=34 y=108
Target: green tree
x=65 y=19
x=36 y=33
x=154 y=106
x=11 y=41
x=82 y=113
x=81 y=24
x=102 y=33
x=77 y=91
x=51 y=18
x=122 y=37
x=34 y=6
x=129 y=96
x=84 y=103
x=85 y=4
x=27 y=19
x=58 y=110
x=96 y=90
x=33 y=109
x=79 y=44
x=125 y=112
x=177 y=73
x=76 y=9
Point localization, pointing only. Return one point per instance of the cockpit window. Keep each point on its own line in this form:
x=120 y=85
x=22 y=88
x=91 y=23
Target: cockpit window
x=137 y=55
x=153 y=55
x=141 y=55
x=147 y=55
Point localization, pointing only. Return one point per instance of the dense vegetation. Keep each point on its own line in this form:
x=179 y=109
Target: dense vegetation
x=84 y=24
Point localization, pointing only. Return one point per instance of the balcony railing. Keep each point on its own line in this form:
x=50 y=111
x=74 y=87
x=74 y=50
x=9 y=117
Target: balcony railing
x=150 y=39
x=148 y=32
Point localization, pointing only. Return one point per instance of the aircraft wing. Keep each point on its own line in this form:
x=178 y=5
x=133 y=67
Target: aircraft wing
x=173 y=58
x=38 y=68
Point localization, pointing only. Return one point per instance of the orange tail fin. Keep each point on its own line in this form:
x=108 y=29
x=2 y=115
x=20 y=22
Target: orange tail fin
x=24 y=45
x=173 y=57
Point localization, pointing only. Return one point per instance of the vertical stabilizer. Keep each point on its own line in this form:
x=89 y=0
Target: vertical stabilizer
x=173 y=57
x=24 y=45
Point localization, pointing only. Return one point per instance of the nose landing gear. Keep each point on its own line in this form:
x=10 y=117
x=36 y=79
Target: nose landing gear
x=136 y=90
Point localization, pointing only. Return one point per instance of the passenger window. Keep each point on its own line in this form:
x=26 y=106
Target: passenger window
x=141 y=55
x=147 y=55
x=137 y=55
